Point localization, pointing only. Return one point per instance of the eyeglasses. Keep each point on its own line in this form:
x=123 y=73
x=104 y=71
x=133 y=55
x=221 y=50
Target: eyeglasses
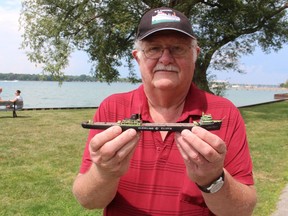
x=156 y=51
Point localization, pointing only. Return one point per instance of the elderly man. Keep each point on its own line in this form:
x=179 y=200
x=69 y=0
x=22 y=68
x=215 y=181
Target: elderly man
x=195 y=172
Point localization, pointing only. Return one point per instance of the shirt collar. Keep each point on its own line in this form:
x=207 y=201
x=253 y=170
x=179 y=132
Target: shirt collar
x=195 y=104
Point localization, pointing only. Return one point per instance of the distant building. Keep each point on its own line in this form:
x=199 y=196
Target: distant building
x=215 y=84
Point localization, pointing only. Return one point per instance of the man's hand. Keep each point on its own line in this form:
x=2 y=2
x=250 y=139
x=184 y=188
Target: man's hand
x=203 y=154
x=111 y=151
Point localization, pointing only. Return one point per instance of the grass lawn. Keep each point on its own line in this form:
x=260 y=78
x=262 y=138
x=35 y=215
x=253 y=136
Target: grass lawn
x=267 y=129
x=40 y=153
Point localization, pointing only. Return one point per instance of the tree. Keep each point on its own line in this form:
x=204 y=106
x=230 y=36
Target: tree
x=226 y=30
x=284 y=85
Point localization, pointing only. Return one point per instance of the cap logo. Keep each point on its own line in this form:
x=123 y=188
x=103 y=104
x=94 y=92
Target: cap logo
x=163 y=16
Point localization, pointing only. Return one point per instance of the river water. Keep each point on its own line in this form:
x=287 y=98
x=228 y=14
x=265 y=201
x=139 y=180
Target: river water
x=43 y=94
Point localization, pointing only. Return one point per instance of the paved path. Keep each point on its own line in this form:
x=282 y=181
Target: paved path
x=282 y=206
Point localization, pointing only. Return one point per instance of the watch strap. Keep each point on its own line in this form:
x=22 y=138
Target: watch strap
x=214 y=186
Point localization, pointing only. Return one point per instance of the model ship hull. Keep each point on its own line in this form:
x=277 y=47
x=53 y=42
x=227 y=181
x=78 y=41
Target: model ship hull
x=153 y=126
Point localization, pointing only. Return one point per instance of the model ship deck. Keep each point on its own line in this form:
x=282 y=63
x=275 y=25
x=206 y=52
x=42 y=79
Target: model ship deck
x=152 y=126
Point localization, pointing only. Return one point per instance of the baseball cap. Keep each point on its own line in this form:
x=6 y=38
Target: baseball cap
x=163 y=18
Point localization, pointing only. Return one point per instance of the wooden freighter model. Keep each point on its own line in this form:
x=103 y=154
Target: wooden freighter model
x=135 y=122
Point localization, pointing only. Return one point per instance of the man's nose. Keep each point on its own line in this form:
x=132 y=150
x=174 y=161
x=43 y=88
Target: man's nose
x=166 y=56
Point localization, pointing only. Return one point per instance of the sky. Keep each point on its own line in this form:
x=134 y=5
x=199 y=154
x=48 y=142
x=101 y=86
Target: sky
x=260 y=68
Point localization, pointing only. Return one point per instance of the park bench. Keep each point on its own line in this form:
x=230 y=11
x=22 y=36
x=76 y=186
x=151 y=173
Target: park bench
x=17 y=105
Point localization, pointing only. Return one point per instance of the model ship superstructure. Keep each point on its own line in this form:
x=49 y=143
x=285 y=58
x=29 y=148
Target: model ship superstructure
x=135 y=121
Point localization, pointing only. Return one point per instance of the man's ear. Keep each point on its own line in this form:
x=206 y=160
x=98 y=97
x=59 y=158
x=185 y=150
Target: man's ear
x=135 y=55
x=198 y=50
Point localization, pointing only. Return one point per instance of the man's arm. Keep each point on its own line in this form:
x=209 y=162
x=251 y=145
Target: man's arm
x=204 y=154
x=110 y=152
x=14 y=100
x=234 y=198
x=92 y=191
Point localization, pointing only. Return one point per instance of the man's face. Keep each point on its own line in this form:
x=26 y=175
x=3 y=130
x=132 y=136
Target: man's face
x=174 y=68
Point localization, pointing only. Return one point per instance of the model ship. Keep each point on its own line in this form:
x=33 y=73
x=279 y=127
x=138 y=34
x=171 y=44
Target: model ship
x=135 y=121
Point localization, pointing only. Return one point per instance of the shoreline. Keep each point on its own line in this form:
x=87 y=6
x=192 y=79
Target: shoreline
x=93 y=107
x=261 y=88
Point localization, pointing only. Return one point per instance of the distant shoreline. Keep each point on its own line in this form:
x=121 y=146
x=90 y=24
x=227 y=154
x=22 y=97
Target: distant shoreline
x=229 y=86
x=71 y=108
x=256 y=87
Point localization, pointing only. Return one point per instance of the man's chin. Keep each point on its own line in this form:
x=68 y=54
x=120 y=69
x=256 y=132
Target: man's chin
x=165 y=84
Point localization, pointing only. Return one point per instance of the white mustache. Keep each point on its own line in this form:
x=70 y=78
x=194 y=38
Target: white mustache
x=161 y=67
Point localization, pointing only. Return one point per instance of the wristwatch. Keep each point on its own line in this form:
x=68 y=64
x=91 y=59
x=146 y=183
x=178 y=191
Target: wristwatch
x=215 y=186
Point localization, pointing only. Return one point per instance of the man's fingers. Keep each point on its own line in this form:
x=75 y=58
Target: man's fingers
x=100 y=139
x=214 y=141
x=128 y=147
x=111 y=143
x=189 y=154
x=200 y=146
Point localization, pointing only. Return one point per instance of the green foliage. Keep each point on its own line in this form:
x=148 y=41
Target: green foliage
x=43 y=77
x=284 y=85
x=216 y=87
x=226 y=30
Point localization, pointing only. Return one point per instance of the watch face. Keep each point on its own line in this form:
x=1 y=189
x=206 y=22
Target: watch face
x=217 y=186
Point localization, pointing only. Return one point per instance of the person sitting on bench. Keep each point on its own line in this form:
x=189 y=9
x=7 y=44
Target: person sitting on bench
x=0 y=93
x=16 y=99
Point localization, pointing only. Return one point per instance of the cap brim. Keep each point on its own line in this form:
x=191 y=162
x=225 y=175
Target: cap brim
x=163 y=29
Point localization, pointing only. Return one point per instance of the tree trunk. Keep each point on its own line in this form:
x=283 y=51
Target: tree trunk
x=200 y=77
